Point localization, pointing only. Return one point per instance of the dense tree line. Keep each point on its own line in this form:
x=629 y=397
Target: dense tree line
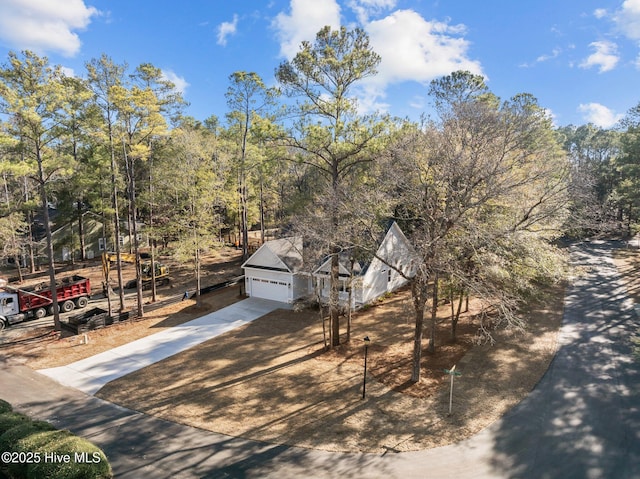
x=482 y=188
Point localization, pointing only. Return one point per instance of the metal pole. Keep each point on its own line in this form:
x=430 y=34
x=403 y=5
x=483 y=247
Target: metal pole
x=452 y=373
x=364 y=379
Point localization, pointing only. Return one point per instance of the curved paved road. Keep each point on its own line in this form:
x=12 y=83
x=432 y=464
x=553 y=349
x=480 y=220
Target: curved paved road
x=581 y=421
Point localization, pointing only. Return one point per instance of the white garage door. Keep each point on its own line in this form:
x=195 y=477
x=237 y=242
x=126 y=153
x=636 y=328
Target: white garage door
x=270 y=289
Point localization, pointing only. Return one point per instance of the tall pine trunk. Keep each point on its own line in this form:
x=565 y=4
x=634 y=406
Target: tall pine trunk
x=350 y=298
x=245 y=220
x=419 y=297
x=81 y=231
x=334 y=292
x=47 y=228
x=134 y=245
x=32 y=250
x=455 y=317
x=243 y=187
x=197 y=261
x=261 y=210
x=154 y=289
x=116 y=219
x=334 y=298
x=317 y=288
x=434 y=316
x=17 y=259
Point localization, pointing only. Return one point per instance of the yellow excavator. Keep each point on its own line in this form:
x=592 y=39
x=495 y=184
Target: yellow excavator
x=162 y=271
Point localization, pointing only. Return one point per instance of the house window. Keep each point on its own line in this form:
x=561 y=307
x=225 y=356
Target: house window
x=102 y=244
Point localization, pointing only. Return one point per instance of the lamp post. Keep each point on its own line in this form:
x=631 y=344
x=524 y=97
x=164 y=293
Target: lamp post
x=364 y=379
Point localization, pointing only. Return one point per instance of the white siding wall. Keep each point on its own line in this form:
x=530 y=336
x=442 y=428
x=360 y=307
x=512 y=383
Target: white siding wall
x=375 y=281
x=381 y=278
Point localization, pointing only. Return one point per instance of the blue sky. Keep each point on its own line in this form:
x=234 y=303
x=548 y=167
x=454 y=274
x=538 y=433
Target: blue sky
x=580 y=58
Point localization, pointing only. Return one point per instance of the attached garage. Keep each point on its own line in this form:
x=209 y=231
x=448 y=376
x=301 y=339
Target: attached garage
x=273 y=272
x=269 y=289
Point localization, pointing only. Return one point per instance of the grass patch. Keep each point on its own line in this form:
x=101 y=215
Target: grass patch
x=38 y=450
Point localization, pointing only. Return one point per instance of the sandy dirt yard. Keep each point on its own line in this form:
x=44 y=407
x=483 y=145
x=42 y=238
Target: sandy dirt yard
x=272 y=380
x=49 y=350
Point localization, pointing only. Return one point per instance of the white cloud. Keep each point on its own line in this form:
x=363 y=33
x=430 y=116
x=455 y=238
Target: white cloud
x=179 y=82
x=551 y=115
x=600 y=13
x=411 y=47
x=555 y=53
x=628 y=19
x=365 y=8
x=416 y=49
x=370 y=98
x=44 y=25
x=225 y=29
x=605 y=56
x=377 y=4
x=599 y=115
x=545 y=57
x=418 y=102
x=305 y=20
x=68 y=72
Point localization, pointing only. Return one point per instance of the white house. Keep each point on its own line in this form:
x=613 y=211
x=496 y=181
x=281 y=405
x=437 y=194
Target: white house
x=373 y=277
x=274 y=271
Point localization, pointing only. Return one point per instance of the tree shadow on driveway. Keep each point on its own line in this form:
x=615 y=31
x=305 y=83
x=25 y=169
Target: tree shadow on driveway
x=583 y=419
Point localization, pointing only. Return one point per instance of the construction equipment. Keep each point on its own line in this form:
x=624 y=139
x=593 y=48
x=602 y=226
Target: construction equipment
x=162 y=275
x=17 y=305
x=162 y=271
x=125 y=257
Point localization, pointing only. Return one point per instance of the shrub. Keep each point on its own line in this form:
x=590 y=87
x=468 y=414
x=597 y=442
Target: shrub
x=51 y=447
x=10 y=439
x=86 y=461
x=5 y=406
x=21 y=429
x=11 y=419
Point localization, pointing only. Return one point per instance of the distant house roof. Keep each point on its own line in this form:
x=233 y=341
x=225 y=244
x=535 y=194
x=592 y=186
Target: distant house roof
x=283 y=254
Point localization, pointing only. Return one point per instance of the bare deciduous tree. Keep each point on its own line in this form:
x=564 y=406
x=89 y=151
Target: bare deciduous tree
x=468 y=189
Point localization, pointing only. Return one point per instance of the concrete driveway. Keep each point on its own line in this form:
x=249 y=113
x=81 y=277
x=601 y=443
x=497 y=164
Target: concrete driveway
x=90 y=374
x=581 y=421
